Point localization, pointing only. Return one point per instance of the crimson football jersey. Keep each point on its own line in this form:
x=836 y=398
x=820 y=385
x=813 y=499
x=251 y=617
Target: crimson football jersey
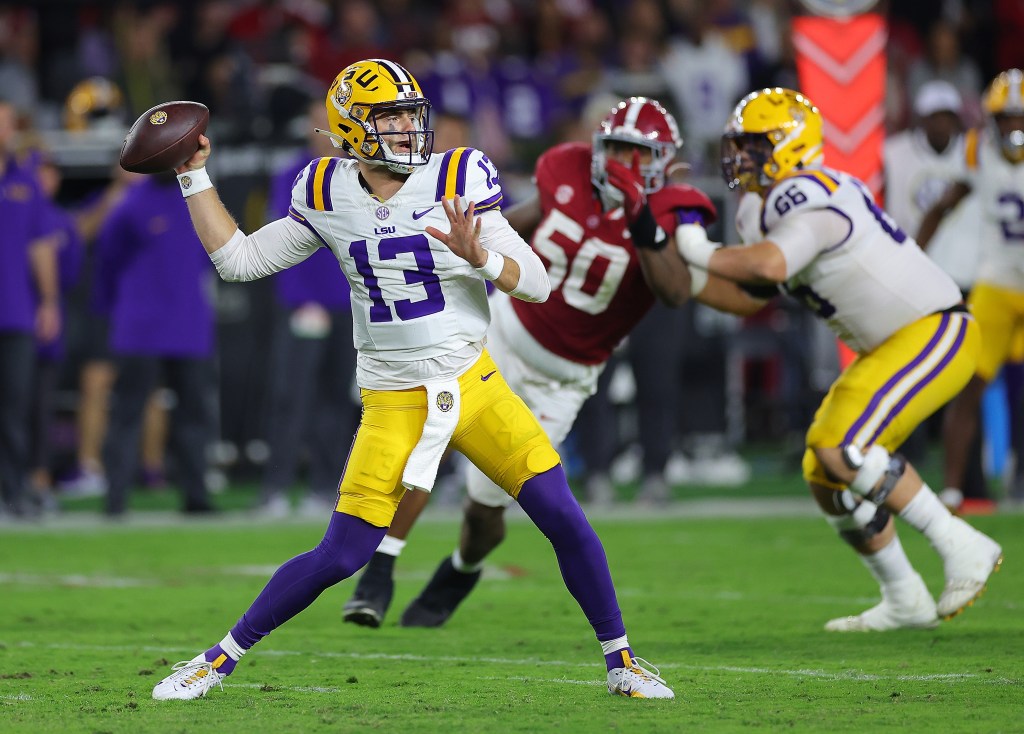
x=598 y=291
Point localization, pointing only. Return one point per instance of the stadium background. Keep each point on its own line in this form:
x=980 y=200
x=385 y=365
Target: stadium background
x=524 y=75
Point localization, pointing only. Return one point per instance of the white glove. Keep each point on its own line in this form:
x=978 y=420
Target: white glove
x=698 y=279
x=693 y=244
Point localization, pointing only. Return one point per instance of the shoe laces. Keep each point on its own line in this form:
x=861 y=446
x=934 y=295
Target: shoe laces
x=655 y=674
x=192 y=672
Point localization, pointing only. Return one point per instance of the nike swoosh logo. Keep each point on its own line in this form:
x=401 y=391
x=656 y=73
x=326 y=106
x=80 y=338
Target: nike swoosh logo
x=486 y=377
x=425 y=212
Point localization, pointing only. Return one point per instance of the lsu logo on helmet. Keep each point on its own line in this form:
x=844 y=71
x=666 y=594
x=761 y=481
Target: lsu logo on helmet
x=771 y=133
x=1004 y=100
x=359 y=103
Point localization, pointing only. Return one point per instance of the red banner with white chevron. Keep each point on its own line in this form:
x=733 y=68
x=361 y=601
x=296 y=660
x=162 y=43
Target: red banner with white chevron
x=841 y=66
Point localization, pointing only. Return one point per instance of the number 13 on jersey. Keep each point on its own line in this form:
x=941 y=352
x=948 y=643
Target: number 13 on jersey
x=424 y=274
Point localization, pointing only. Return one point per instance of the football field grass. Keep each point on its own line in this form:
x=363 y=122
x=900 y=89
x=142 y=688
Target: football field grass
x=731 y=608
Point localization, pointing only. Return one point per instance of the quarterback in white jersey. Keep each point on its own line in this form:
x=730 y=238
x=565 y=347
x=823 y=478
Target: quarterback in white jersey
x=992 y=170
x=819 y=234
x=416 y=235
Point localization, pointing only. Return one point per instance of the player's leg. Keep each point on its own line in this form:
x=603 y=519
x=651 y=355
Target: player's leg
x=555 y=403
x=137 y=376
x=372 y=596
x=17 y=359
x=293 y=391
x=483 y=529
x=997 y=312
x=192 y=428
x=879 y=400
x=369 y=492
x=501 y=436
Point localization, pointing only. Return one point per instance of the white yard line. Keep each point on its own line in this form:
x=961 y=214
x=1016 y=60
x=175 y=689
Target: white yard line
x=838 y=675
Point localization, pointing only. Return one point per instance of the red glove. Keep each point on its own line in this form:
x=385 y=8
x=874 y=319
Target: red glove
x=643 y=229
x=630 y=182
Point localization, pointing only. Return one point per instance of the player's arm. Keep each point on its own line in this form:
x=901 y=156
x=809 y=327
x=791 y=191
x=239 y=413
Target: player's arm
x=757 y=263
x=214 y=224
x=933 y=217
x=665 y=272
x=789 y=246
x=238 y=257
x=725 y=295
x=42 y=255
x=498 y=253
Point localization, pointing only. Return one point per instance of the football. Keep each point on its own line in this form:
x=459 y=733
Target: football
x=164 y=137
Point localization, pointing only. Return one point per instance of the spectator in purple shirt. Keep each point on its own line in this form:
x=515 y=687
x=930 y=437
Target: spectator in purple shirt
x=312 y=360
x=156 y=286
x=29 y=307
x=50 y=355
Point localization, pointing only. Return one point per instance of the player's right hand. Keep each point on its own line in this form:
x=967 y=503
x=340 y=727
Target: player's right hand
x=630 y=182
x=198 y=159
x=464 y=237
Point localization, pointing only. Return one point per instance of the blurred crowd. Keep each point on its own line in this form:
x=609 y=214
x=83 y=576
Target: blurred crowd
x=511 y=77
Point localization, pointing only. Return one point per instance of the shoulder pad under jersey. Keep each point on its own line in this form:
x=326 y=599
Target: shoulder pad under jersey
x=803 y=191
x=665 y=202
x=470 y=174
x=558 y=165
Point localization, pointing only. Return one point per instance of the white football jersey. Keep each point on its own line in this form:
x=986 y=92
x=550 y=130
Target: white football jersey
x=999 y=186
x=869 y=284
x=412 y=297
x=916 y=176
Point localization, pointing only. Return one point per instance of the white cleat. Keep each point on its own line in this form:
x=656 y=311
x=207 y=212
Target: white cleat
x=638 y=682
x=190 y=679
x=969 y=561
x=906 y=606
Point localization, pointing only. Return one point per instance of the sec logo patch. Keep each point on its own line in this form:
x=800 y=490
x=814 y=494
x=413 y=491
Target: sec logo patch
x=564 y=194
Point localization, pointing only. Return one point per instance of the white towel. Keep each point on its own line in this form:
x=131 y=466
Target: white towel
x=443 y=407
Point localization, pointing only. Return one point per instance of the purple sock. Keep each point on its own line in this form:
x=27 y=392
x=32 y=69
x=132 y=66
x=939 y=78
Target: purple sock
x=222 y=662
x=548 y=501
x=621 y=658
x=346 y=547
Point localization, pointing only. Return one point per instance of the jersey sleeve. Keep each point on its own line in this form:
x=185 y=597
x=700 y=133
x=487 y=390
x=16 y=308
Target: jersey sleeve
x=469 y=173
x=805 y=191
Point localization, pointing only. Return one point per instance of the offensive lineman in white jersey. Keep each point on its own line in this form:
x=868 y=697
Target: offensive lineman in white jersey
x=993 y=168
x=819 y=233
x=417 y=261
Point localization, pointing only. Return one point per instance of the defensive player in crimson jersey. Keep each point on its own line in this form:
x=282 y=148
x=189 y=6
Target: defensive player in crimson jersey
x=599 y=223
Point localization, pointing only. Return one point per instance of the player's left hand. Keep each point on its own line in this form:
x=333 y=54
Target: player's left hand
x=630 y=182
x=464 y=237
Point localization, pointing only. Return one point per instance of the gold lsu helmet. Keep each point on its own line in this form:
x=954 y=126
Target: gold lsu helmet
x=1005 y=98
x=95 y=102
x=355 y=101
x=777 y=131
